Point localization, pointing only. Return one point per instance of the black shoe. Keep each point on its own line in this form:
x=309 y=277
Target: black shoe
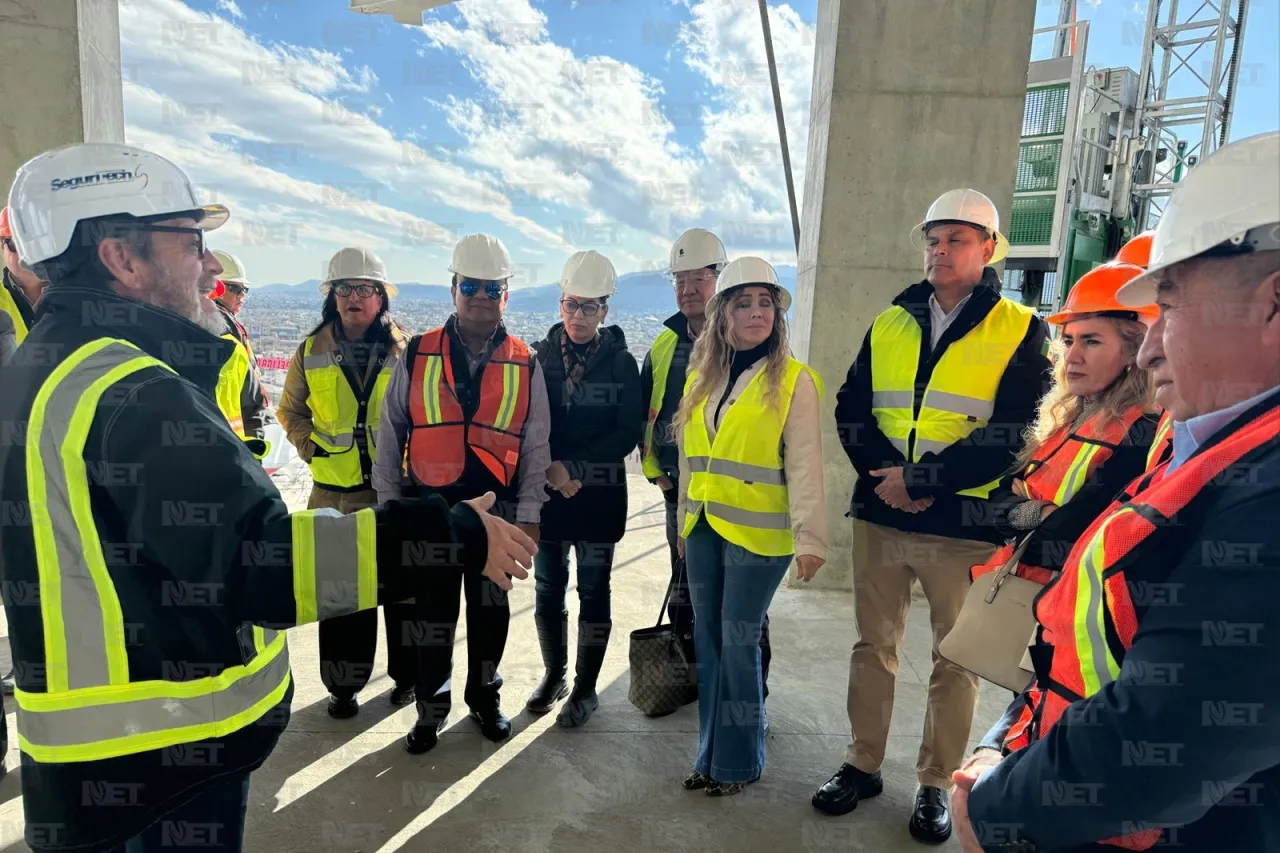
x=423 y=737
x=545 y=696
x=931 y=821
x=841 y=793
x=593 y=641
x=343 y=707
x=401 y=696
x=578 y=709
x=493 y=725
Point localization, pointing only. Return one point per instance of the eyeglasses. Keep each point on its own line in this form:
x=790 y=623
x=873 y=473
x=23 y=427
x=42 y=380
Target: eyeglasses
x=177 y=229
x=9 y=245
x=364 y=291
x=589 y=309
x=469 y=287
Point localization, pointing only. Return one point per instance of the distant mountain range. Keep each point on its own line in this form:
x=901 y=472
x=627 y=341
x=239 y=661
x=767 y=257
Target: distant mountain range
x=638 y=293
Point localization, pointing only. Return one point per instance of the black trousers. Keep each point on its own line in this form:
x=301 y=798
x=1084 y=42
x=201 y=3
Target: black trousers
x=213 y=822
x=347 y=644
x=436 y=623
x=680 y=607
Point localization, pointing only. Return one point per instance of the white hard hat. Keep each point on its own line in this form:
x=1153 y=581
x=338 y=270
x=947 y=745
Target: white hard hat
x=56 y=190
x=1229 y=203
x=590 y=275
x=968 y=206
x=232 y=270
x=695 y=249
x=749 y=270
x=482 y=257
x=358 y=264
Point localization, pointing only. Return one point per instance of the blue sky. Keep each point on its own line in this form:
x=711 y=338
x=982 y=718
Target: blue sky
x=555 y=124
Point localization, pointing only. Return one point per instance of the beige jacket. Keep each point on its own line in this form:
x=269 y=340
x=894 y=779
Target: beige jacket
x=293 y=412
x=802 y=461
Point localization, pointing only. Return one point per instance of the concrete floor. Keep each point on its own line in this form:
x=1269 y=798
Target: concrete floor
x=347 y=785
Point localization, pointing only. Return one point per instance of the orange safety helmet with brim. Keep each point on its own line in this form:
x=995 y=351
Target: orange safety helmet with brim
x=1095 y=293
x=1137 y=251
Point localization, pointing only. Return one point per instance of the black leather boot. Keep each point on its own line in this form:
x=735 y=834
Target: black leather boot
x=553 y=639
x=593 y=641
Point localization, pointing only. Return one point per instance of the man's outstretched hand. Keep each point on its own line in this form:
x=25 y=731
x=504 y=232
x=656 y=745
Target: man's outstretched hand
x=510 y=549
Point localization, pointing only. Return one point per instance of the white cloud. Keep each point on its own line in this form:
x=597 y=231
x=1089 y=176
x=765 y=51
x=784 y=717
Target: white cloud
x=230 y=7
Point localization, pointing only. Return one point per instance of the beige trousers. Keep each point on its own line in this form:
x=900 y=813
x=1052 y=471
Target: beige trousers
x=885 y=561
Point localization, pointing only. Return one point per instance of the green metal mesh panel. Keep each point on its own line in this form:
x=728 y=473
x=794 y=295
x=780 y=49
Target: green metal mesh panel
x=1038 y=164
x=1046 y=111
x=1031 y=222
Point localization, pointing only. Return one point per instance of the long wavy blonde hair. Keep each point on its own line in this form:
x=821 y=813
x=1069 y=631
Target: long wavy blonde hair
x=1061 y=408
x=713 y=351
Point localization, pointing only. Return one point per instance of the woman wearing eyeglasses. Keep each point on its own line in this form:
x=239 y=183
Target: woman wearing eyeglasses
x=593 y=387
x=330 y=410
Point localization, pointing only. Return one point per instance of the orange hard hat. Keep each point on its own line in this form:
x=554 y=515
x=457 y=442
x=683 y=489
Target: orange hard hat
x=218 y=289
x=1095 y=293
x=1137 y=251
x=5 y=230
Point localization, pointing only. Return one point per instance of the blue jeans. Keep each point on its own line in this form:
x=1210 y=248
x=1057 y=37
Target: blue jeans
x=551 y=580
x=731 y=589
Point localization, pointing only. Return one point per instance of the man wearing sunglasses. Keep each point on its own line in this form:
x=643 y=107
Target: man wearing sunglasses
x=240 y=393
x=469 y=404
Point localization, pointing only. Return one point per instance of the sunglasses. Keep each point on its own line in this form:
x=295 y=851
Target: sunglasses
x=469 y=287
x=364 y=291
x=9 y=245
x=236 y=289
x=589 y=309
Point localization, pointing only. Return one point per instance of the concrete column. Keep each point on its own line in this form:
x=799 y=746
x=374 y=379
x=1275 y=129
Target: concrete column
x=910 y=98
x=61 y=81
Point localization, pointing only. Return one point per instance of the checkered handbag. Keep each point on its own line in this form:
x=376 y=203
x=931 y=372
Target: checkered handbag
x=661 y=678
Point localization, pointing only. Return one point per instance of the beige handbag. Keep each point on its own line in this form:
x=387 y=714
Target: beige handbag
x=995 y=627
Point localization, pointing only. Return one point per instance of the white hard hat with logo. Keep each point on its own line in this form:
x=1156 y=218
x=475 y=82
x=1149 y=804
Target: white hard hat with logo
x=590 y=275
x=355 y=263
x=749 y=270
x=55 y=191
x=695 y=249
x=482 y=257
x=232 y=270
x=969 y=207
x=1227 y=205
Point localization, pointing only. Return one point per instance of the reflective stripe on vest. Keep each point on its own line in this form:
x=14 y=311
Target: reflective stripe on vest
x=960 y=397
x=231 y=379
x=1162 y=447
x=440 y=432
x=660 y=356
x=1057 y=471
x=739 y=481
x=1086 y=613
x=335 y=412
x=91 y=709
x=10 y=307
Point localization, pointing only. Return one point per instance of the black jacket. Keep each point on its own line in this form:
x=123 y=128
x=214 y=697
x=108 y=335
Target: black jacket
x=592 y=433
x=1188 y=737
x=985 y=455
x=664 y=436
x=179 y=505
x=1054 y=537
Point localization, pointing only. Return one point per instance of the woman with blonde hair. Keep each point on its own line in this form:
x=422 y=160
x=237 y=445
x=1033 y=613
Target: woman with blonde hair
x=751 y=498
x=1094 y=430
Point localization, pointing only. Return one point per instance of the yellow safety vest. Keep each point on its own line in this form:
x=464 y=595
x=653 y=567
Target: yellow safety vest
x=91 y=708
x=10 y=307
x=738 y=481
x=335 y=417
x=660 y=355
x=231 y=379
x=961 y=393
x=1162 y=441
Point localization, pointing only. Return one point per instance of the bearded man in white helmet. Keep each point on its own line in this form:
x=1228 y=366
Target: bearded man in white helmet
x=466 y=413
x=1155 y=702
x=931 y=415
x=147 y=594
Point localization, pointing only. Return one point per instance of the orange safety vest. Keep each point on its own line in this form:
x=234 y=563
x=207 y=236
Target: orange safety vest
x=441 y=433
x=1059 y=469
x=1162 y=447
x=1086 y=615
